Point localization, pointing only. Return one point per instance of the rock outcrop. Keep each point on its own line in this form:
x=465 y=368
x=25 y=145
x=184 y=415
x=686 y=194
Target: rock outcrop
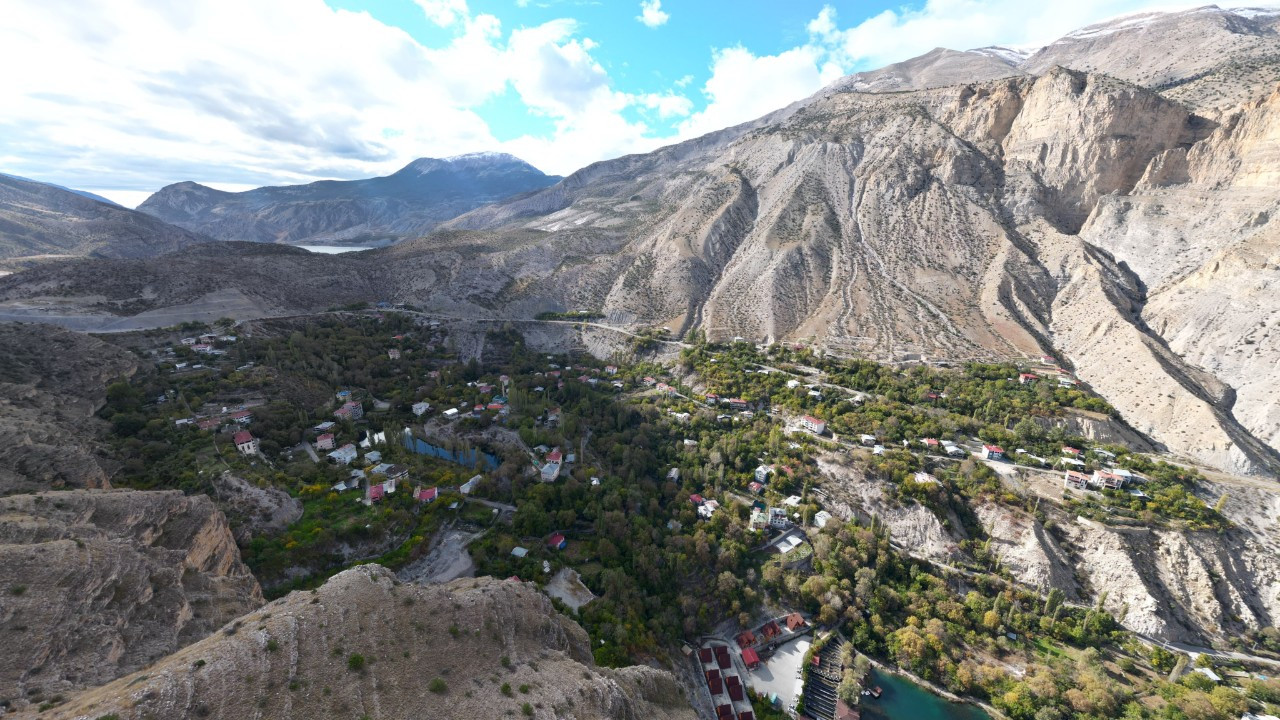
x=51 y=383
x=365 y=645
x=95 y=584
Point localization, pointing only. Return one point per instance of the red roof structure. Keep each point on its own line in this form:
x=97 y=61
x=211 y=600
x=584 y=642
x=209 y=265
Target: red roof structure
x=735 y=692
x=243 y=436
x=696 y=499
x=746 y=715
x=795 y=621
x=750 y=658
x=715 y=685
x=557 y=541
x=771 y=629
x=705 y=655
x=376 y=491
x=746 y=639
x=425 y=494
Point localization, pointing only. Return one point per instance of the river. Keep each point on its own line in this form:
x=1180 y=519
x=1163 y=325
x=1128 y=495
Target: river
x=905 y=700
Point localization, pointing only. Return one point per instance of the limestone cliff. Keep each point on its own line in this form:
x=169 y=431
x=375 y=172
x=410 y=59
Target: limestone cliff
x=98 y=583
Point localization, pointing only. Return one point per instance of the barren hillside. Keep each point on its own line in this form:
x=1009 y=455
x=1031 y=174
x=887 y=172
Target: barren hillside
x=366 y=645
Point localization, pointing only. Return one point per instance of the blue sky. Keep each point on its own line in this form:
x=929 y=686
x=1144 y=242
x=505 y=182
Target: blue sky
x=121 y=97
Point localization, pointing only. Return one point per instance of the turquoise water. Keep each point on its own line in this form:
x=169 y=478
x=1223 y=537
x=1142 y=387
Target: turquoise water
x=904 y=700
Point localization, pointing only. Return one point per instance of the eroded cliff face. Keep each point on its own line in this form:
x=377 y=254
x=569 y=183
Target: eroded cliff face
x=99 y=583
x=51 y=383
x=1166 y=584
x=292 y=659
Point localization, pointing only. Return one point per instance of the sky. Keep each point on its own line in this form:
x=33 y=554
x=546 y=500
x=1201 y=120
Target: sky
x=122 y=97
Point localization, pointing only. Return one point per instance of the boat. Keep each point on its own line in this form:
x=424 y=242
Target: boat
x=876 y=691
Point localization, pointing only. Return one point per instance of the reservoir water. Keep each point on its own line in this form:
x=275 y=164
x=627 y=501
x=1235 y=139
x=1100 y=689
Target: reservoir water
x=905 y=700
x=335 y=249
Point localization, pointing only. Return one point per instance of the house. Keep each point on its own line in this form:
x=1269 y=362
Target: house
x=243 y=417
x=877 y=450
x=393 y=353
x=792 y=501
x=519 y=551
x=421 y=408
x=650 y=381
x=1070 y=451
x=762 y=473
x=451 y=414
x=424 y=494
x=696 y=499
x=344 y=455
x=795 y=622
x=673 y=474
x=555 y=456
x=778 y=518
x=1108 y=480
x=992 y=452
x=737 y=404
x=325 y=426
x=375 y=493
x=245 y=442
x=821 y=518
x=325 y=442
x=210 y=424
x=867 y=440
x=1209 y=673
x=750 y=658
x=681 y=417
x=557 y=542
x=931 y=443
x=1024 y=378
x=759 y=520
x=708 y=508
x=188 y=341
x=469 y=486
x=610 y=369
x=349 y=411
x=373 y=456
x=550 y=471
x=202 y=348
x=1076 y=480
x=755 y=487
x=1070 y=461
x=952 y=449
x=813 y=424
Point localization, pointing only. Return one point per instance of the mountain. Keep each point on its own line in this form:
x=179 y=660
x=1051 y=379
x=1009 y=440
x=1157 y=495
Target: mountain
x=408 y=203
x=81 y=193
x=1107 y=215
x=365 y=645
x=39 y=221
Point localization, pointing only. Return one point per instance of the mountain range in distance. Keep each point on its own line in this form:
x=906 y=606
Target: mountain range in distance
x=1106 y=199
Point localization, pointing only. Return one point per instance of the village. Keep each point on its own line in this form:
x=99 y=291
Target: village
x=527 y=462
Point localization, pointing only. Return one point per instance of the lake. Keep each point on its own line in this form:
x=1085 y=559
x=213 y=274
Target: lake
x=335 y=249
x=905 y=700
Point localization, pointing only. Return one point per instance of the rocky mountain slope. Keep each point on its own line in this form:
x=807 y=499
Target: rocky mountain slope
x=408 y=203
x=1172 y=585
x=1095 y=214
x=51 y=383
x=39 y=222
x=100 y=583
x=364 y=645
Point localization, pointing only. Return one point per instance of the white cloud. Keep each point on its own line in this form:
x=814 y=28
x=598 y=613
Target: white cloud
x=744 y=86
x=651 y=13
x=444 y=12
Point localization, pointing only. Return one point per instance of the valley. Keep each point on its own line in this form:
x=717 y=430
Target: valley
x=945 y=391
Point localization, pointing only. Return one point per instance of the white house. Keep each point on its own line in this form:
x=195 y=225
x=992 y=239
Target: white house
x=343 y=455
x=421 y=408
x=1076 y=480
x=821 y=518
x=451 y=414
x=778 y=518
x=762 y=473
x=550 y=471
x=246 y=443
x=813 y=424
x=867 y=440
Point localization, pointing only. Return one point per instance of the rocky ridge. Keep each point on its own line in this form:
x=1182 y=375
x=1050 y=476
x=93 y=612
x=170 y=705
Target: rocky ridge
x=99 y=583
x=365 y=644
x=51 y=383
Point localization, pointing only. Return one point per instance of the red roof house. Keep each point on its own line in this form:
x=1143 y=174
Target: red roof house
x=750 y=658
x=696 y=499
x=557 y=542
x=376 y=491
x=795 y=621
x=241 y=437
x=424 y=494
x=705 y=655
x=555 y=456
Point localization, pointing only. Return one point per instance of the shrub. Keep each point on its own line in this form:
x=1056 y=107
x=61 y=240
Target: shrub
x=506 y=689
x=527 y=709
x=437 y=686
x=355 y=662
x=524 y=689
x=272 y=645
